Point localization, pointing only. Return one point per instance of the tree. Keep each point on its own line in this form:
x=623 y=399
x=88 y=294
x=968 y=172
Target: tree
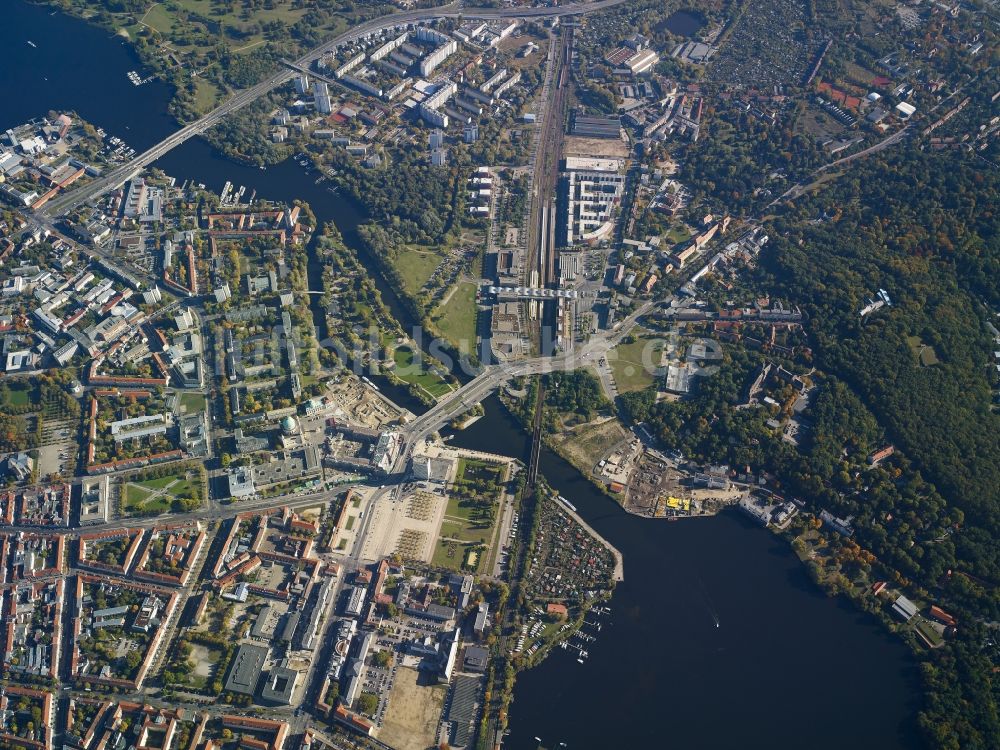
x=367 y=703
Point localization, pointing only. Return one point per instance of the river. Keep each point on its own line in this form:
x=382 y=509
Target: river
x=50 y=75
x=288 y=181
x=786 y=667
x=75 y=66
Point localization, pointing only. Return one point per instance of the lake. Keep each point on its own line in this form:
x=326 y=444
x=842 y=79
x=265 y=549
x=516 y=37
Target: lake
x=785 y=668
x=683 y=23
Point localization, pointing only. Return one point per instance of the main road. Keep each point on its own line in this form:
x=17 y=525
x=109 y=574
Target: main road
x=456 y=403
x=493 y=376
x=70 y=200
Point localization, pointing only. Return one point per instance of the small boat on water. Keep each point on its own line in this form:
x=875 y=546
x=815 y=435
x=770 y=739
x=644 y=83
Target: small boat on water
x=32 y=44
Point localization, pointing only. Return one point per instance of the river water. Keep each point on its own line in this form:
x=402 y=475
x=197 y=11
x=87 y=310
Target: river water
x=785 y=668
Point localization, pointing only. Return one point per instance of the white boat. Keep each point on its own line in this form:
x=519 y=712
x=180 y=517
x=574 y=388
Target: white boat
x=32 y=44
x=567 y=503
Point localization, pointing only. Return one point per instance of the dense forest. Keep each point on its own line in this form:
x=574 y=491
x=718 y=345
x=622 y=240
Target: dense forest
x=936 y=251
x=919 y=374
x=413 y=201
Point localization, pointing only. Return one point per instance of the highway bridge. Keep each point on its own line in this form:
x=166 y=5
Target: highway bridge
x=492 y=377
x=70 y=200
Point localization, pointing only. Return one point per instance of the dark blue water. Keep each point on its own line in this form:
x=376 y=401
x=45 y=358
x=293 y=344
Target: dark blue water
x=683 y=23
x=75 y=66
x=786 y=668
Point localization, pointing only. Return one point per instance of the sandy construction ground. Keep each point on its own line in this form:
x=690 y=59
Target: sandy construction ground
x=414 y=711
x=605 y=148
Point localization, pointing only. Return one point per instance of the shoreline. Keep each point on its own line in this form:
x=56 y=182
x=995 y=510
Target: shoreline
x=619 y=573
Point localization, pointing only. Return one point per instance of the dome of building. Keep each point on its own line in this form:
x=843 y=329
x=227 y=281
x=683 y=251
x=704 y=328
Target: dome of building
x=288 y=425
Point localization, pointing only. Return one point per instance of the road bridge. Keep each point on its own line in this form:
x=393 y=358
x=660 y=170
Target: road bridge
x=70 y=200
x=493 y=376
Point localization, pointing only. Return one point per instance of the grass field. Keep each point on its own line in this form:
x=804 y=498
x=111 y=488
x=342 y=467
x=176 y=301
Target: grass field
x=471 y=468
x=459 y=513
x=160 y=482
x=923 y=352
x=460 y=532
x=157 y=495
x=635 y=364
x=415 y=267
x=456 y=319
x=452 y=555
x=18 y=395
x=168 y=18
x=206 y=95
x=135 y=494
x=140 y=501
x=159 y=19
x=586 y=444
x=411 y=374
x=193 y=402
x=678 y=233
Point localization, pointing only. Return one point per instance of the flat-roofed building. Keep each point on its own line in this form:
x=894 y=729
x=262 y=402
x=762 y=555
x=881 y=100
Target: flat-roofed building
x=904 y=608
x=245 y=672
x=642 y=61
x=279 y=686
x=589 y=126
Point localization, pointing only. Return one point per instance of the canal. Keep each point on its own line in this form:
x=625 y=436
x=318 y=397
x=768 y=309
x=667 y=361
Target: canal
x=785 y=668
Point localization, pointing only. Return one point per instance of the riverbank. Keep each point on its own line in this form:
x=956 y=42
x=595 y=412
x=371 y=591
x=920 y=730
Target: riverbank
x=660 y=652
x=660 y=660
x=619 y=572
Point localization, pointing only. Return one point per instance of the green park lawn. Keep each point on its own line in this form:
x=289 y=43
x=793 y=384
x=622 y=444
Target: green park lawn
x=451 y=555
x=471 y=468
x=157 y=495
x=456 y=319
x=17 y=396
x=140 y=501
x=420 y=377
x=415 y=267
x=631 y=372
x=193 y=402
